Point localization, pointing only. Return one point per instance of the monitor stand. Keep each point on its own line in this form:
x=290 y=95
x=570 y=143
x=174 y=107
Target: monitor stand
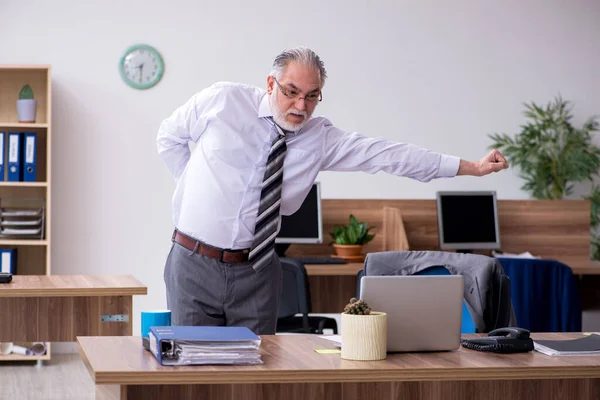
x=280 y=248
x=465 y=251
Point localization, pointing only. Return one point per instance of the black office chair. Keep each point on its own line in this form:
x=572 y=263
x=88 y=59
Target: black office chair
x=295 y=299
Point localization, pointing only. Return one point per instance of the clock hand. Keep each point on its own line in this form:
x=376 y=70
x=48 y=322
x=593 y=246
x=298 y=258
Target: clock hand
x=141 y=67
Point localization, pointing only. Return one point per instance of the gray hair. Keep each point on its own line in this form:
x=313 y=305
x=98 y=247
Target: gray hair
x=301 y=55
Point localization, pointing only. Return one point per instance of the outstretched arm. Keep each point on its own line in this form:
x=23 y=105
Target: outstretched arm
x=494 y=161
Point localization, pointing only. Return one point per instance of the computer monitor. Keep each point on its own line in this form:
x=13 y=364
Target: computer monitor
x=468 y=220
x=303 y=226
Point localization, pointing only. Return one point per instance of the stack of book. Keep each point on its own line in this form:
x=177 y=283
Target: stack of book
x=584 y=346
x=201 y=345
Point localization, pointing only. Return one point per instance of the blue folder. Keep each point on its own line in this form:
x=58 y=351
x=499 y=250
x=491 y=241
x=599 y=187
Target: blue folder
x=2 y=136
x=15 y=143
x=29 y=157
x=8 y=260
x=165 y=339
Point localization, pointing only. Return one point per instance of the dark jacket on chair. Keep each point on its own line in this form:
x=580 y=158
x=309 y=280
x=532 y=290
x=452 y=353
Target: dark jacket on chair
x=487 y=288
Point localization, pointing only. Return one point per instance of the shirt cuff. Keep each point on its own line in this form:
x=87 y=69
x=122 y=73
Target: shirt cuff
x=448 y=166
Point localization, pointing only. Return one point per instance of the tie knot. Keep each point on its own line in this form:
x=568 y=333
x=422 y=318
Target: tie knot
x=279 y=129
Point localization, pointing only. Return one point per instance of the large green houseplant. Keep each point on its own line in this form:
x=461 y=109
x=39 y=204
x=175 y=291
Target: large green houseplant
x=552 y=155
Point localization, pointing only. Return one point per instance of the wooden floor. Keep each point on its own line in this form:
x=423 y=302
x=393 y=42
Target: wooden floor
x=63 y=377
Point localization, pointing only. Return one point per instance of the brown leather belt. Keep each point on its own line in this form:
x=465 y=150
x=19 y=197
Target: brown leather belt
x=224 y=255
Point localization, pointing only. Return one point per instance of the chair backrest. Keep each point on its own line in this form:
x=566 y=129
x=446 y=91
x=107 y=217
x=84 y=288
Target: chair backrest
x=545 y=295
x=295 y=293
x=487 y=287
x=467 y=324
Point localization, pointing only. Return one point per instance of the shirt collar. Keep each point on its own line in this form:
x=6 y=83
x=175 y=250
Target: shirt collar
x=264 y=109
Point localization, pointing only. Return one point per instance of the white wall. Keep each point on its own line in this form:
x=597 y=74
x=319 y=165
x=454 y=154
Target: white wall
x=441 y=74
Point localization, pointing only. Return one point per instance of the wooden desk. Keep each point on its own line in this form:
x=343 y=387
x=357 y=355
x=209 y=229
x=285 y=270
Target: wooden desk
x=578 y=266
x=332 y=285
x=292 y=370
x=58 y=308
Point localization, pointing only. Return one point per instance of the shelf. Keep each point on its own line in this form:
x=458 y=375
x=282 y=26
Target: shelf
x=25 y=67
x=18 y=125
x=23 y=184
x=18 y=357
x=23 y=242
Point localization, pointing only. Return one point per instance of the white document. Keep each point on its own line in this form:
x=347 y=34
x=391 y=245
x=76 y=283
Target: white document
x=513 y=255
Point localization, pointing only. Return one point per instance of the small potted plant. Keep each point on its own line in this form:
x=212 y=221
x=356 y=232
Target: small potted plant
x=349 y=240
x=26 y=105
x=364 y=332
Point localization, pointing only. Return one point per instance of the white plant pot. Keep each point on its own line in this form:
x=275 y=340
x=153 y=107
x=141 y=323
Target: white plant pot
x=364 y=337
x=26 y=110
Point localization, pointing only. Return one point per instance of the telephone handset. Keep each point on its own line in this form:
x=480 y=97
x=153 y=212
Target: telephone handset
x=502 y=340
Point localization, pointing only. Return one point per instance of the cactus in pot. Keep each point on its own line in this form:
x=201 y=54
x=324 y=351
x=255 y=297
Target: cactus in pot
x=364 y=332
x=26 y=105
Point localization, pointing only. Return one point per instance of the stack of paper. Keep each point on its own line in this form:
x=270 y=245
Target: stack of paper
x=585 y=346
x=21 y=222
x=499 y=254
x=198 y=345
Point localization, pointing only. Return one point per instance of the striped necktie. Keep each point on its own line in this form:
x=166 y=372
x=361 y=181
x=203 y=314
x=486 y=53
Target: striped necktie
x=267 y=222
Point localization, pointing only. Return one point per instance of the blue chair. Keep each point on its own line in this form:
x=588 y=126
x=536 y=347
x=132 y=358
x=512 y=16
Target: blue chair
x=544 y=294
x=467 y=324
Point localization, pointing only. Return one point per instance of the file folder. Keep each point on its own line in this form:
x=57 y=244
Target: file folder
x=2 y=137
x=15 y=172
x=8 y=260
x=29 y=157
x=201 y=345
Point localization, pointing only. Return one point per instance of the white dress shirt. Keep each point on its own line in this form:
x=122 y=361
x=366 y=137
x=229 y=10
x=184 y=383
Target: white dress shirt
x=218 y=184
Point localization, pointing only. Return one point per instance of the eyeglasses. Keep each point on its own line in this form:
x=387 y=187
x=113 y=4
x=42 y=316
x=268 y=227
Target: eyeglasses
x=312 y=97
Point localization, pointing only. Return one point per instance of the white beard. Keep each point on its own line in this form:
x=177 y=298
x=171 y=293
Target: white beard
x=279 y=117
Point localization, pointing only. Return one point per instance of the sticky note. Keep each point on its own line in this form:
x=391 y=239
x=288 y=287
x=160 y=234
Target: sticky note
x=328 y=351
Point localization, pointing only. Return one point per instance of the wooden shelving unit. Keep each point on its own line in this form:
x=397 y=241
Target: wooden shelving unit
x=20 y=357
x=33 y=255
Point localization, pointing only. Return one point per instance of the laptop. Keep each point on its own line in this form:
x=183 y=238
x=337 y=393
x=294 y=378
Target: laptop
x=424 y=312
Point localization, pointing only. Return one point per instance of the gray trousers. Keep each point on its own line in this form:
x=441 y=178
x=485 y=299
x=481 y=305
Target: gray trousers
x=205 y=291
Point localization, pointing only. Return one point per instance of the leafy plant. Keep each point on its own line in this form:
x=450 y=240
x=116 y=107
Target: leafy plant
x=26 y=93
x=552 y=154
x=357 y=307
x=353 y=233
x=594 y=199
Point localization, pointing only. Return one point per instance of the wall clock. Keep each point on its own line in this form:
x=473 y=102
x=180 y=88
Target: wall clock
x=141 y=66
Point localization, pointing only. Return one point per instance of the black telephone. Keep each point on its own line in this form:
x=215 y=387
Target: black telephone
x=503 y=340
x=5 y=277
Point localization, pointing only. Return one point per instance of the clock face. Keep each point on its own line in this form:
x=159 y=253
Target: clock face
x=141 y=66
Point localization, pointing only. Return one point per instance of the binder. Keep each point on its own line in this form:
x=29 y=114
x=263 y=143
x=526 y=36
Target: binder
x=8 y=260
x=29 y=157
x=2 y=136
x=15 y=172
x=201 y=345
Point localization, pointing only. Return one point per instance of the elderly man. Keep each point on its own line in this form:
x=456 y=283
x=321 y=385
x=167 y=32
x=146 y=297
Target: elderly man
x=257 y=155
